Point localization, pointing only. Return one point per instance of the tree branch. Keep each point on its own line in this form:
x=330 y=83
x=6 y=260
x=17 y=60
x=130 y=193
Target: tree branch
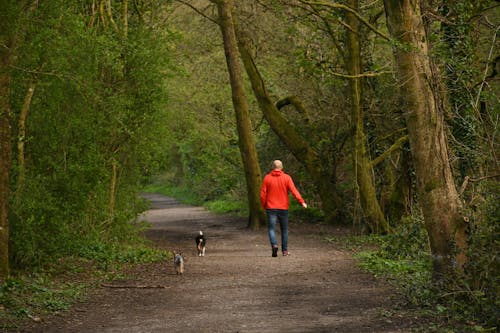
x=395 y=146
x=110 y=16
x=348 y=9
x=467 y=179
x=483 y=82
x=366 y=74
x=295 y=102
x=198 y=11
x=399 y=130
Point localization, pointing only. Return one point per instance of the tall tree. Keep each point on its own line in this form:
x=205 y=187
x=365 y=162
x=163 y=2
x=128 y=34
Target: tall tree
x=362 y=164
x=436 y=189
x=6 y=59
x=11 y=33
x=241 y=108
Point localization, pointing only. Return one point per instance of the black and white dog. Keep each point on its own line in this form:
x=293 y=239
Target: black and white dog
x=201 y=243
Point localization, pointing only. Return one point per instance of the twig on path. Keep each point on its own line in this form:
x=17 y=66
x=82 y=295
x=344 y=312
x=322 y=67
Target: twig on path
x=134 y=286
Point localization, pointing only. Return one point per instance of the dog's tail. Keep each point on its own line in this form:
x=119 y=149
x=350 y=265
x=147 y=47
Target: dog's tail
x=201 y=233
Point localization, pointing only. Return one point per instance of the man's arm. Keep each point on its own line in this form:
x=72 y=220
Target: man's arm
x=296 y=194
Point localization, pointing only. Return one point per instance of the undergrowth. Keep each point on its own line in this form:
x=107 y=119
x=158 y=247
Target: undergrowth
x=466 y=304
x=54 y=287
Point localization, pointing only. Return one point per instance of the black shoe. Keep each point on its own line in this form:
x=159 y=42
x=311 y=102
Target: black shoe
x=275 y=251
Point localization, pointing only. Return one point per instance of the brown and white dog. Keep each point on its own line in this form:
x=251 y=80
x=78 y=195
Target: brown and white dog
x=201 y=243
x=178 y=263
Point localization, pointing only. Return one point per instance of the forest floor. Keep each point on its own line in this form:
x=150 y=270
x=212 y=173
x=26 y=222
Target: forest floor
x=237 y=286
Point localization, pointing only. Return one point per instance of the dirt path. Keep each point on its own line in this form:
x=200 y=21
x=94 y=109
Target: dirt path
x=237 y=286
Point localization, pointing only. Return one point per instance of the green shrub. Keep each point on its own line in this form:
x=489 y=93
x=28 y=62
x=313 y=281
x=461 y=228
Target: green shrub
x=469 y=303
x=55 y=286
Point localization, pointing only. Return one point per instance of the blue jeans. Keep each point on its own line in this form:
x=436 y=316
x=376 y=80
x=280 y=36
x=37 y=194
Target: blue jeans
x=281 y=216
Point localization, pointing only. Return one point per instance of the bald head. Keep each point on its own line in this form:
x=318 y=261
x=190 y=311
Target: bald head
x=277 y=165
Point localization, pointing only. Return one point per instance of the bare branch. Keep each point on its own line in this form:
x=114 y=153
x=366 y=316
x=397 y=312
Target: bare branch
x=296 y=102
x=490 y=56
x=366 y=74
x=198 y=11
x=467 y=179
x=399 y=130
x=110 y=16
x=348 y=9
x=396 y=145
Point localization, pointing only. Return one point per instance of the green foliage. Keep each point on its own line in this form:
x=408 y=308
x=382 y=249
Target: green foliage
x=479 y=291
x=404 y=257
x=469 y=303
x=35 y=296
x=183 y=194
x=57 y=285
x=107 y=255
x=227 y=206
x=309 y=215
x=99 y=101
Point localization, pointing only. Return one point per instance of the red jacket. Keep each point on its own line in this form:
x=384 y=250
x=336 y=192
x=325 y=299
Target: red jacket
x=275 y=189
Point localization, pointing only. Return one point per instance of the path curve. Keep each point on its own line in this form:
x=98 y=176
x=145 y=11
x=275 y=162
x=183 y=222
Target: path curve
x=237 y=286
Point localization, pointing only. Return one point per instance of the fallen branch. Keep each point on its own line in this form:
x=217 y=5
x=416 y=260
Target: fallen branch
x=123 y=286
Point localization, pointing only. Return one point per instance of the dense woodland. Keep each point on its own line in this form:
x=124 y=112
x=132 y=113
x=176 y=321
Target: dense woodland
x=386 y=114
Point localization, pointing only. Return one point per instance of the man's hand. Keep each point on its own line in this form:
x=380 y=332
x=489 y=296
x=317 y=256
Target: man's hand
x=304 y=205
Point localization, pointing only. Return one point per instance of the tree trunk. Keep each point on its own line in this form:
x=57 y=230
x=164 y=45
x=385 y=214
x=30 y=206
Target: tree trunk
x=396 y=195
x=8 y=42
x=436 y=190
x=362 y=166
x=298 y=145
x=5 y=159
x=9 y=39
x=21 y=137
x=125 y=18
x=112 y=189
x=241 y=108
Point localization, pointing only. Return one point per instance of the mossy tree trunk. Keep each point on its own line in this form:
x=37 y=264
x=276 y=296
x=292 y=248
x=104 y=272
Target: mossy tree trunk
x=241 y=108
x=436 y=189
x=362 y=165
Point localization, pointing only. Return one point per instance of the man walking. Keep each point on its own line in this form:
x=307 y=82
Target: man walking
x=274 y=198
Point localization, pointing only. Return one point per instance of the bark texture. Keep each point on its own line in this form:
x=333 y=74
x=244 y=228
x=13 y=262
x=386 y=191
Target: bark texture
x=436 y=190
x=241 y=108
